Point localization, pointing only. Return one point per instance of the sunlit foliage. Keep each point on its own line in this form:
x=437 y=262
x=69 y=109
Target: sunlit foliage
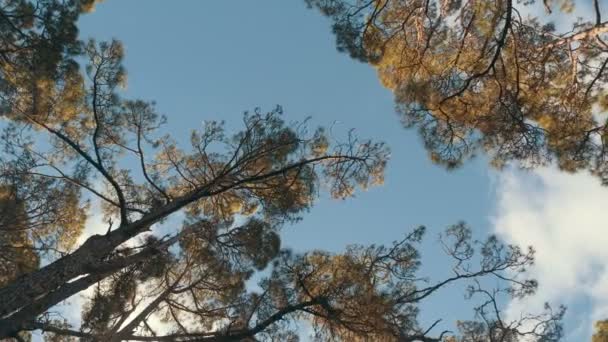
x=601 y=332
x=69 y=138
x=484 y=75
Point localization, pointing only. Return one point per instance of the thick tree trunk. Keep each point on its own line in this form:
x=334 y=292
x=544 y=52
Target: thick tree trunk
x=28 y=288
x=26 y=315
x=40 y=284
x=35 y=286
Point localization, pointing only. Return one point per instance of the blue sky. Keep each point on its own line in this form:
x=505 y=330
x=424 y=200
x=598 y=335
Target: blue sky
x=212 y=60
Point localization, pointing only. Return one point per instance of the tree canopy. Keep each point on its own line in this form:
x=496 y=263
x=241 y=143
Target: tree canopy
x=487 y=75
x=601 y=331
x=70 y=140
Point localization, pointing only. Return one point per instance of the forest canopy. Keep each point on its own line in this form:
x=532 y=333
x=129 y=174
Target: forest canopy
x=72 y=143
x=493 y=76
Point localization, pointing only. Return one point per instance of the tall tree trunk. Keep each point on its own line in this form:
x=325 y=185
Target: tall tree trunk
x=27 y=314
x=88 y=258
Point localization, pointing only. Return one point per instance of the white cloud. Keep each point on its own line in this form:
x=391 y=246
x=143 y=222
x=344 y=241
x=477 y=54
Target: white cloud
x=565 y=217
x=95 y=223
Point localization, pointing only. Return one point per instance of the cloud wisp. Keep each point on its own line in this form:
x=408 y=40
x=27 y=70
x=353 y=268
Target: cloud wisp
x=565 y=217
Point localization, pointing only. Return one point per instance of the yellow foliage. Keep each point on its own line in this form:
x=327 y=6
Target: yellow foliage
x=601 y=331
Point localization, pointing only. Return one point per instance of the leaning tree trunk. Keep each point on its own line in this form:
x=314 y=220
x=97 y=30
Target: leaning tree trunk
x=50 y=285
